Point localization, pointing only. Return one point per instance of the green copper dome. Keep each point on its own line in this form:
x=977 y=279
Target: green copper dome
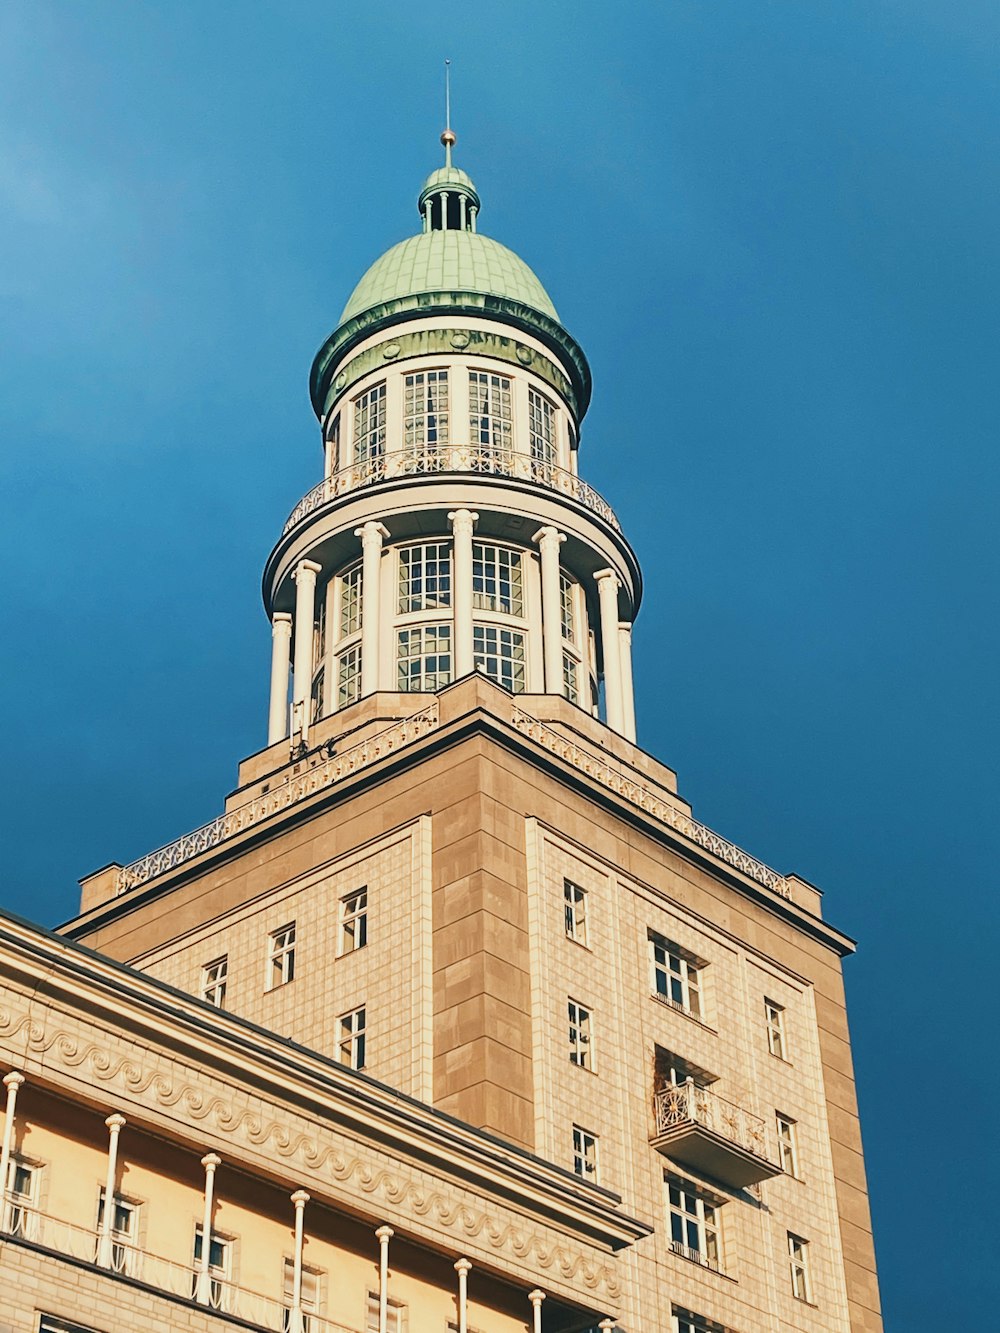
x=448 y=261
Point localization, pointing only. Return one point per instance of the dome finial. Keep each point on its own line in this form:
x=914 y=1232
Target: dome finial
x=448 y=137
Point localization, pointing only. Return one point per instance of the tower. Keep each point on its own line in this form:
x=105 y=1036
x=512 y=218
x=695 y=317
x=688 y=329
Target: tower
x=456 y=974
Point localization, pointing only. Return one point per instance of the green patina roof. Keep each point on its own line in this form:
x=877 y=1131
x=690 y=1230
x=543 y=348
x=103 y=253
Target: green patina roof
x=448 y=261
x=445 y=176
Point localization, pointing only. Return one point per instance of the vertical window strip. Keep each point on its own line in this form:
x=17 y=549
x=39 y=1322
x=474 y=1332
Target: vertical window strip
x=354 y=921
x=350 y=601
x=541 y=424
x=349 y=676
x=282 y=956
x=575 y=910
x=580 y=1047
x=571 y=678
x=567 y=611
x=585 y=1154
x=369 y=424
x=353 y=1038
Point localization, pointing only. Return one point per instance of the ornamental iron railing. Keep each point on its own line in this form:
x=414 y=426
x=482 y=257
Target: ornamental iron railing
x=687 y=1103
x=427 y=461
x=295 y=788
x=608 y=775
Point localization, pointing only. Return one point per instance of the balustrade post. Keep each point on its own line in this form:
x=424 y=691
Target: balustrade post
x=115 y=1124
x=305 y=617
x=628 y=693
x=299 y=1200
x=607 y=590
x=281 y=642
x=462 y=1268
x=384 y=1235
x=692 y=1098
x=211 y=1162
x=372 y=535
x=462 y=523
x=549 y=540
x=536 y=1297
x=12 y=1082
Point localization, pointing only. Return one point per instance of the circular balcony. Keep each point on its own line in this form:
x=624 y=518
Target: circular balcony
x=425 y=461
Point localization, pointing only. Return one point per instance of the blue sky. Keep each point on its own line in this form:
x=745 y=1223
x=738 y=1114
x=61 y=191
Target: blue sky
x=774 y=229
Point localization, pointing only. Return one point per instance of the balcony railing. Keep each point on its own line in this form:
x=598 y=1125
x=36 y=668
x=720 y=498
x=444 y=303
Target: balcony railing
x=450 y=458
x=183 y=1281
x=698 y=1127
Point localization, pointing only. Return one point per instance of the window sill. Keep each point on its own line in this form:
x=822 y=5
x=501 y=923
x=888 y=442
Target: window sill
x=573 y=940
x=685 y=1013
x=781 y=1059
x=587 y=1069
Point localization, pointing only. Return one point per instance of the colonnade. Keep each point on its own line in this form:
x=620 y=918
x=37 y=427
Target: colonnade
x=203 y=1278
x=297 y=656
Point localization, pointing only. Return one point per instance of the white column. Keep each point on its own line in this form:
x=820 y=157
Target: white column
x=549 y=540
x=384 y=1235
x=211 y=1161
x=536 y=1297
x=115 y=1124
x=281 y=644
x=299 y=1199
x=607 y=588
x=462 y=523
x=305 y=616
x=628 y=692
x=462 y=1268
x=371 y=535
x=474 y=212
x=11 y=1082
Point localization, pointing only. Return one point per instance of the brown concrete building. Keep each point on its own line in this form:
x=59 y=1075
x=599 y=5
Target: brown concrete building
x=455 y=1018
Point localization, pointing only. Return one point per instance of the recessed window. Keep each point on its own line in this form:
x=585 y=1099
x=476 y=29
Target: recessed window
x=571 y=678
x=425 y=410
x=580 y=1035
x=567 y=610
x=124 y=1232
x=350 y=601
x=423 y=658
x=395 y=1315
x=677 y=976
x=774 y=1018
x=308 y=1296
x=499 y=654
x=316 y=697
x=541 y=428
x=575 y=911
x=349 y=676
x=220 y=1268
x=788 y=1151
x=369 y=424
x=490 y=417
x=686 y=1322
x=214 y=980
x=496 y=579
x=354 y=921
x=798 y=1265
x=352 y=1030
x=694 y=1223
x=585 y=1154
x=50 y=1324
x=281 y=959
x=333 y=447
x=424 y=577
x=20 y=1214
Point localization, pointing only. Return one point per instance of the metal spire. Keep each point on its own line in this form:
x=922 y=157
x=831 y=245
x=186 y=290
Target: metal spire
x=448 y=137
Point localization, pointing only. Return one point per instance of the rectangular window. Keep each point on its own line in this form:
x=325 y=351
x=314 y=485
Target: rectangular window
x=798 y=1264
x=694 y=1226
x=20 y=1214
x=50 y=1324
x=395 y=1315
x=424 y=577
x=308 y=1295
x=423 y=658
x=499 y=654
x=580 y=1045
x=350 y=602
x=334 y=460
x=316 y=698
x=676 y=976
x=490 y=417
x=354 y=921
x=575 y=905
x=541 y=427
x=774 y=1016
x=571 y=679
x=686 y=1322
x=585 y=1154
x=788 y=1152
x=567 y=611
x=220 y=1264
x=349 y=676
x=496 y=579
x=425 y=410
x=214 y=978
x=351 y=1039
x=124 y=1232
x=369 y=424
x=281 y=956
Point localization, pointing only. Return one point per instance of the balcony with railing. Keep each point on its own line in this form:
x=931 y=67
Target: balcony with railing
x=700 y=1129
x=122 y=1259
x=479 y=460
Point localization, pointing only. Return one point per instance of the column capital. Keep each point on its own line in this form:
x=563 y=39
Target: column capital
x=211 y=1160
x=608 y=1325
x=549 y=534
x=115 y=1121
x=384 y=1233
x=462 y=1265
x=602 y=574
x=282 y=618
x=300 y=1198
x=305 y=570
x=13 y=1080
x=372 y=531
x=463 y=519
x=536 y=1297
